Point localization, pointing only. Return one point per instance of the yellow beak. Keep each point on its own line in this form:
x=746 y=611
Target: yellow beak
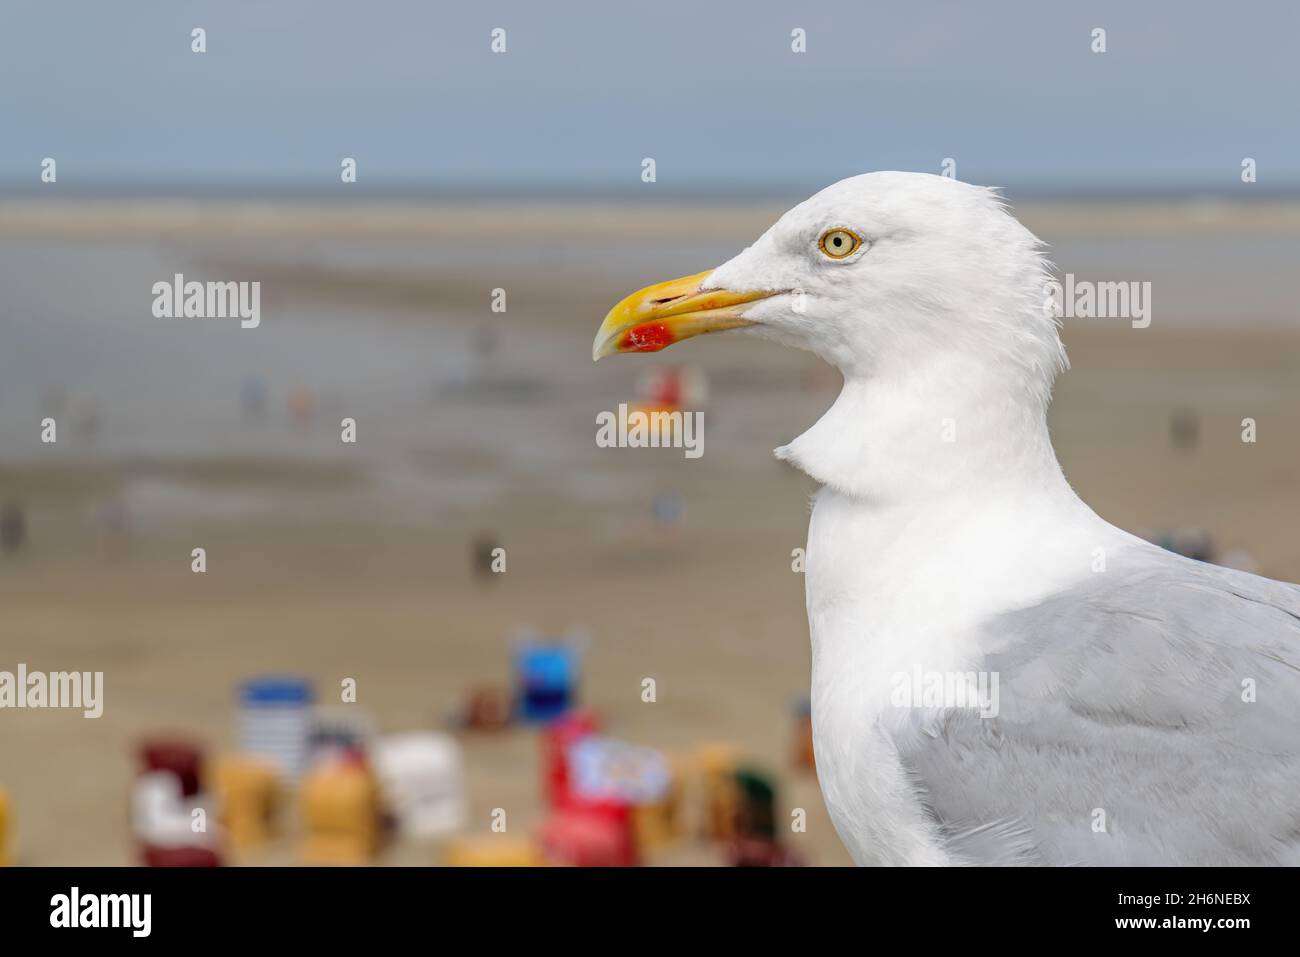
x=655 y=317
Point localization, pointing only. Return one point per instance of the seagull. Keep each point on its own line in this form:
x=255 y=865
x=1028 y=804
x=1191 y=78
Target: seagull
x=999 y=676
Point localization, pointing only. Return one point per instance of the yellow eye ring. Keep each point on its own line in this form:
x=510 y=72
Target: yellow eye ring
x=839 y=243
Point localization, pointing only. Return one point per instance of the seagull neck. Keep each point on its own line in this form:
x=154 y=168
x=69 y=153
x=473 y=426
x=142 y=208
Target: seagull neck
x=951 y=428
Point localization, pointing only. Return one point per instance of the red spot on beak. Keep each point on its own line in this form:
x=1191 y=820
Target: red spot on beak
x=647 y=337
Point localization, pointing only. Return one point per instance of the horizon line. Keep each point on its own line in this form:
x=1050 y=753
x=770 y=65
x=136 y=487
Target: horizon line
x=479 y=190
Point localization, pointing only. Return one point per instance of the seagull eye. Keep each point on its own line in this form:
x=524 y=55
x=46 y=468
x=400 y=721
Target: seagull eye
x=839 y=243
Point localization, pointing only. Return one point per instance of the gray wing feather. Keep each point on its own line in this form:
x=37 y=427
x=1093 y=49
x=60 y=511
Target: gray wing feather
x=1127 y=733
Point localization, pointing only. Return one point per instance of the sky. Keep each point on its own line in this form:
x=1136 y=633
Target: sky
x=585 y=91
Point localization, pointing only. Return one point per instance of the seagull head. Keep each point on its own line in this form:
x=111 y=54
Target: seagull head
x=880 y=275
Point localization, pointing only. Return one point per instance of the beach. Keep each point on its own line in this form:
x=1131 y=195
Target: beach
x=338 y=561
